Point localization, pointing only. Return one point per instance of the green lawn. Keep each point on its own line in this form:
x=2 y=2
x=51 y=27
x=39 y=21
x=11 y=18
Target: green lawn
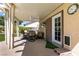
x=2 y=37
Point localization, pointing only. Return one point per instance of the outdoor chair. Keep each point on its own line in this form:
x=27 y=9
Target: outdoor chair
x=25 y=35
x=73 y=52
x=40 y=35
x=32 y=36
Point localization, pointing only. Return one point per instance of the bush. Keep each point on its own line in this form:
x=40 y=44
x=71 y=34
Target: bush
x=1 y=29
x=50 y=45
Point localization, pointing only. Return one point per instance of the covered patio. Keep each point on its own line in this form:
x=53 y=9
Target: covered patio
x=16 y=12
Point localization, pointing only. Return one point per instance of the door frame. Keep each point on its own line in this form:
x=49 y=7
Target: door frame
x=62 y=38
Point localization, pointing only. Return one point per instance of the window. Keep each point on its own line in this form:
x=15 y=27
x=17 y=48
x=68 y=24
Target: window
x=57 y=29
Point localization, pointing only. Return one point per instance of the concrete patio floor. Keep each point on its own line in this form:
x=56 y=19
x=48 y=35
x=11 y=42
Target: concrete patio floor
x=37 y=48
x=18 y=45
x=4 y=51
x=25 y=48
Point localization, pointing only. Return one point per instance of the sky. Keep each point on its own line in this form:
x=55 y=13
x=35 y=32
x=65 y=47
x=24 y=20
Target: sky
x=2 y=14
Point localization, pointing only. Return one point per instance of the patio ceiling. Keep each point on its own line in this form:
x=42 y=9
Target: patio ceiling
x=24 y=11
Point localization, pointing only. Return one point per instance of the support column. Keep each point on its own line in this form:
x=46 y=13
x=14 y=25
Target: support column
x=17 y=28
x=11 y=26
x=9 y=38
x=7 y=35
x=5 y=26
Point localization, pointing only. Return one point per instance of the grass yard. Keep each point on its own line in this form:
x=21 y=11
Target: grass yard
x=2 y=37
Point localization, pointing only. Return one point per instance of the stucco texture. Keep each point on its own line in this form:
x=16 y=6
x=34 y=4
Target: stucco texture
x=71 y=23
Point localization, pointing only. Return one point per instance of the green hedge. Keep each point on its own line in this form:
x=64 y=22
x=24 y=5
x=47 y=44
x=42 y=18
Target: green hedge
x=50 y=45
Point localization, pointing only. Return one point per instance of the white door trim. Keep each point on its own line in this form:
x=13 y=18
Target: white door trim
x=53 y=28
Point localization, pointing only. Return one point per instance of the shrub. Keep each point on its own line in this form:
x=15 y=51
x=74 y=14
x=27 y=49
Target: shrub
x=50 y=45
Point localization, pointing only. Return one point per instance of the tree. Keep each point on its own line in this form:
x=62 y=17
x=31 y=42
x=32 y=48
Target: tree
x=2 y=20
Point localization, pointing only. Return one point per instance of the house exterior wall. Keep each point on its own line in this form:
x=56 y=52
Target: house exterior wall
x=70 y=25
x=48 y=24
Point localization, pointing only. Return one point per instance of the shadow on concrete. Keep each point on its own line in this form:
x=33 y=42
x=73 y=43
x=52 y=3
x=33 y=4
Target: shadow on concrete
x=36 y=48
x=21 y=44
x=19 y=51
